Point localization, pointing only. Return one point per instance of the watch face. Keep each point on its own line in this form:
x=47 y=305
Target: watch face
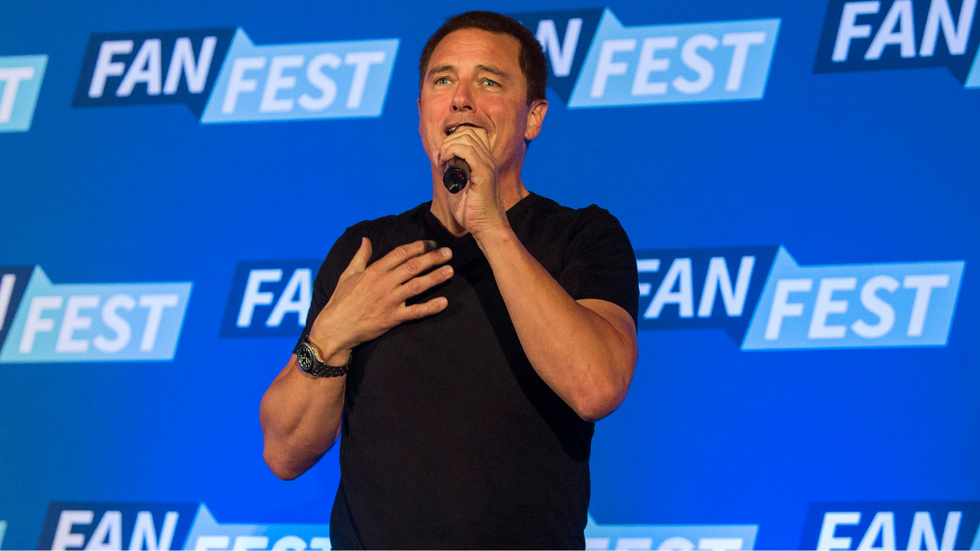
x=305 y=357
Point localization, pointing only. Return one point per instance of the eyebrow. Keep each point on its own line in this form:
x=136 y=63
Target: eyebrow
x=452 y=69
x=440 y=69
x=492 y=70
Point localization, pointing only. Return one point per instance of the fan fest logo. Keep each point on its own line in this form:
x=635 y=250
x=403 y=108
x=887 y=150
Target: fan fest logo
x=595 y=60
x=223 y=77
x=765 y=300
x=41 y=321
x=167 y=526
x=901 y=34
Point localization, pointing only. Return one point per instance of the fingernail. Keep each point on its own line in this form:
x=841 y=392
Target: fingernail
x=431 y=243
x=447 y=252
x=447 y=271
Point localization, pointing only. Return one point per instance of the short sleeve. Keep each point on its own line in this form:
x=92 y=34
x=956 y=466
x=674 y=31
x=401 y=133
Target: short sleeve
x=599 y=262
x=337 y=260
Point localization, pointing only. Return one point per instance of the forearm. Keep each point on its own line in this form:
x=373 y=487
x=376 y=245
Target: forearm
x=585 y=354
x=300 y=416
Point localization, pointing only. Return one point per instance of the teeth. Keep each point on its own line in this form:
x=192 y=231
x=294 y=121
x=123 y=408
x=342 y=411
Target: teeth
x=453 y=129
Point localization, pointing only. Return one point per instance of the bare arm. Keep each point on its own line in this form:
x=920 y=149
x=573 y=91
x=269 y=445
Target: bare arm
x=300 y=417
x=300 y=414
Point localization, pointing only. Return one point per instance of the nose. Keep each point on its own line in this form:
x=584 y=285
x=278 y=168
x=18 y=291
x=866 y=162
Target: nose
x=462 y=98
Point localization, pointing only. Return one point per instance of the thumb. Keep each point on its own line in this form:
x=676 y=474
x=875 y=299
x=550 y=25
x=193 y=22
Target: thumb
x=361 y=258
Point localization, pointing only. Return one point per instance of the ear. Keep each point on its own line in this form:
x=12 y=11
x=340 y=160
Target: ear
x=535 y=118
x=419 y=101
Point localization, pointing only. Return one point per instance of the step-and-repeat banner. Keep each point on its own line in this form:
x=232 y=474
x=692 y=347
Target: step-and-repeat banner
x=799 y=180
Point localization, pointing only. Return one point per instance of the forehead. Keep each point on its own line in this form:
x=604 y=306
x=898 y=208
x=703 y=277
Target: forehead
x=470 y=47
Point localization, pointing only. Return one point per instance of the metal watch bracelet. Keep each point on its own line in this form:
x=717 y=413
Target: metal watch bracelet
x=310 y=362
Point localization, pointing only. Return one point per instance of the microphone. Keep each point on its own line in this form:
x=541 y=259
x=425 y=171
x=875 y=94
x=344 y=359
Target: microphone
x=456 y=175
x=457 y=172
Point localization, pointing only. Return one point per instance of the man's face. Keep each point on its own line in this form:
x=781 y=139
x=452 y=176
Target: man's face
x=474 y=77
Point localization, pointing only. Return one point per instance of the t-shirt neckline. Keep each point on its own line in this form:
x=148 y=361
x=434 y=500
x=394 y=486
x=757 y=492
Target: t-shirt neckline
x=518 y=209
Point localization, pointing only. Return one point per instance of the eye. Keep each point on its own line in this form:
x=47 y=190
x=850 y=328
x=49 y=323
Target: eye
x=442 y=80
x=488 y=82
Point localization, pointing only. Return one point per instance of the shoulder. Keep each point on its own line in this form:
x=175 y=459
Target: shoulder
x=388 y=232
x=541 y=207
x=379 y=227
x=381 y=231
x=545 y=219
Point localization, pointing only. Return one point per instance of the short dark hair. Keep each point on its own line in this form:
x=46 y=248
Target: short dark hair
x=531 y=56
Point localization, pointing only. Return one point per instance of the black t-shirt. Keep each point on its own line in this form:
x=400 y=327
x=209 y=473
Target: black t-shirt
x=449 y=438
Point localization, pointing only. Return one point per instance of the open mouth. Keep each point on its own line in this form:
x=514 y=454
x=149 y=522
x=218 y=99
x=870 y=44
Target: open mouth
x=452 y=129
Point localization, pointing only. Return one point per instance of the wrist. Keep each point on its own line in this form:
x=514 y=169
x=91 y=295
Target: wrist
x=495 y=236
x=328 y=352
x=311 y=363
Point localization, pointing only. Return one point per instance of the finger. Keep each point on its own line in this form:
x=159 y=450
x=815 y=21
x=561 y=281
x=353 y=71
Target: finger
x=466 y=143
x=420 y=265
x=422 y=310
x=361 y=258
x=478 y=134
x=474 y=137
x=469 y=139
x=419 y=285
x=482 y=136
x=401 y=255
x=474 y=156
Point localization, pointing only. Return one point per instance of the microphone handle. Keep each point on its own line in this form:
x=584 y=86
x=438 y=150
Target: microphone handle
x=457 y=175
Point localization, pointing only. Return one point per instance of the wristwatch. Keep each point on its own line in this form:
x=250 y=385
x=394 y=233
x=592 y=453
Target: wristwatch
x=311 y=363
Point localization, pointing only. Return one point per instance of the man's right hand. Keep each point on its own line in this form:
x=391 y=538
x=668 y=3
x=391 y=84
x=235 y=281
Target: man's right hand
x=370 y=300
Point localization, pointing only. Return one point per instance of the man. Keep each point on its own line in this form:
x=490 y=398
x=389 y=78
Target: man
x=466 y=346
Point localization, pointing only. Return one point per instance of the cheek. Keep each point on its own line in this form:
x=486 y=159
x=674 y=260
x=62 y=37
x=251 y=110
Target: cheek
x=432 y=137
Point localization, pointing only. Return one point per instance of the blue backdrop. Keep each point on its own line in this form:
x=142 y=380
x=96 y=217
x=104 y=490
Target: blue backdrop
x=799 y=181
